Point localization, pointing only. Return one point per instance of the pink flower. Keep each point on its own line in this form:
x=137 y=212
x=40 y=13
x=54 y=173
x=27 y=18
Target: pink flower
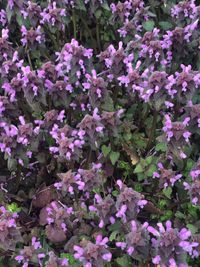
x=107 y=257
x=156 y=259
x=19 y=258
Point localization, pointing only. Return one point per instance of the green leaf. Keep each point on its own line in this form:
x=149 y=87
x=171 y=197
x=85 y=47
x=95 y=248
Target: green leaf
x=105 y=6
x=115 y=193
x=161 y=147
x=124 y=165
x=149 y=160
x=166 y=8
x=114 y=156
x=180 y=215
x=68 y=256
x=165 y=25
x=151 y=170
x=193 y=210
x=19 y=19
x=80 y=5
x=188 y=167
x=168 y=215
x=143 y=163
x=114 y=227
x=105 y=150
x=12 y=164
x=127 y=136
x=138 y=168
x=108 y=105
x=13 y=207
x=124 y=261
x=9 y=13
x=140 y=141
x=114 y=235
x=167 y=192
x=162 y=203
x=148 y=25
x=192 y=228
x=138 y=187
x=98 y=13
x=141 y=177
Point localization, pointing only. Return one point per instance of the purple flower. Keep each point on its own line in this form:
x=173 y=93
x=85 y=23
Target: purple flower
x=19 y=258
x=168 y=243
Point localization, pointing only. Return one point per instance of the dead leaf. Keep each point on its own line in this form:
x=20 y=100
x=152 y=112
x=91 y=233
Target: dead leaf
x=131 y=153
x=43 y=197
x=54 y=234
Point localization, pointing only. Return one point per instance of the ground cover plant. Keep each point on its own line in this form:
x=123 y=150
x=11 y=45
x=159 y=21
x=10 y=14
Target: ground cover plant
x=99 y=133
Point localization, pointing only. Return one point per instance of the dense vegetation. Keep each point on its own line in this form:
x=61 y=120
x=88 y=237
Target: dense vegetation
x=99 y=133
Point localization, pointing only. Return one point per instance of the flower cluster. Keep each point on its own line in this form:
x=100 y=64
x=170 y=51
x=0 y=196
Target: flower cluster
x=136 y=240
x=128 y=202
x=28 y=253
x=93 y=254
x=166 y=177
x=34 y=254
x=57 y=219
x=9 y=231
x=193 y=188
x=170 y=245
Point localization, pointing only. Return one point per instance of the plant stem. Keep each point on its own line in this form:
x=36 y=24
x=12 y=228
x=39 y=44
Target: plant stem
x=90 y=33
x=29 y=61
x=152 y=130
x=28 y=56
x=98 y=36
x=74 y=22
x=52 y=38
